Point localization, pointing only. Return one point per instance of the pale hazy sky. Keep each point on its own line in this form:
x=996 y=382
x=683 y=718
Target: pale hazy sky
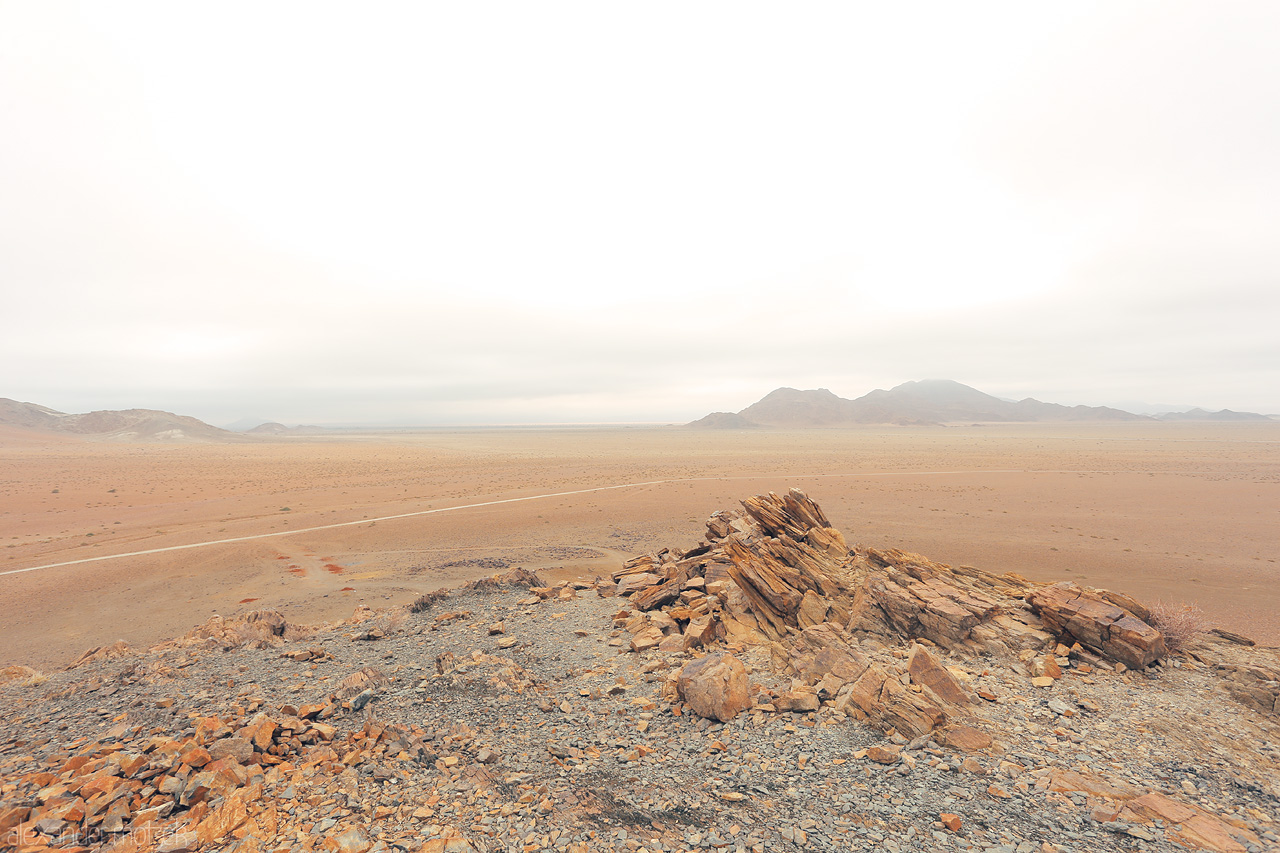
x=503 y=212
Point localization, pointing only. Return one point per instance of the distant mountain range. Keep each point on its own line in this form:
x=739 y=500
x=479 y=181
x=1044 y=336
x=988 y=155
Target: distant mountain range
x=1202 y=415
x=931 y=401
x=273 y=428
x=126 y=425
x=934 y=401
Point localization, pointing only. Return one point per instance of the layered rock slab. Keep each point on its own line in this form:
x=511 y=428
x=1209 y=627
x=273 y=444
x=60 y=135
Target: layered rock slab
x=1099 y=624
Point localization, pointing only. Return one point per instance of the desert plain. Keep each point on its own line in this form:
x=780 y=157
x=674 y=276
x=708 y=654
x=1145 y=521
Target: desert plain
x=316 y=526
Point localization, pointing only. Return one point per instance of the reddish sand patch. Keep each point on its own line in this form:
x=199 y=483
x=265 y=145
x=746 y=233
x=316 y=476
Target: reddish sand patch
x=247 y=600
x=333 y=568
x=347 y=589
x=300 y=572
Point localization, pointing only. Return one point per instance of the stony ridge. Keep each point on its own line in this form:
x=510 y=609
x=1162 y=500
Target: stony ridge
x=768 y=689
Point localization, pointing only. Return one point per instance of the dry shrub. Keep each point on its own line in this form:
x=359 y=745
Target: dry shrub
x=1179 y=622
x=10 y=674
x=23 y=676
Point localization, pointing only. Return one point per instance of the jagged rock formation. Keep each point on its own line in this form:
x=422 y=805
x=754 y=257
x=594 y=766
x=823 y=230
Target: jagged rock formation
x=778 y=573
x=778 y=567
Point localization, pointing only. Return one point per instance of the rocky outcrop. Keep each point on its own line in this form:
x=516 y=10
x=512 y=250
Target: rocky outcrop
x=1098 y=623
x=258 y=628
x=519 y=576
x=777 y=573
x=778 y=567
x=1254 y=685
x=117 y=649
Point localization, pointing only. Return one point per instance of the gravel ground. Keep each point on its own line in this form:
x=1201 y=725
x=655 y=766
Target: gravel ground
x=564 y=738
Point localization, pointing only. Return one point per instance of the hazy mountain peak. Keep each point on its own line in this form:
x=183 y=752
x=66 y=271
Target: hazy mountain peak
x=922 y=401
x=121 y=425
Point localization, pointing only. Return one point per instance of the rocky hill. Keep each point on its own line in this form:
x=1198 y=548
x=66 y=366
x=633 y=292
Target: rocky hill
x=124 y=425
x=767 y=689
x=913 y=403
x=1226 y=415
x=723 y=420
x=273 y=428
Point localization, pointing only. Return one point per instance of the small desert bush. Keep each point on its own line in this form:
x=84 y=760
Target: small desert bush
x=24 y=676
x=1179 y=622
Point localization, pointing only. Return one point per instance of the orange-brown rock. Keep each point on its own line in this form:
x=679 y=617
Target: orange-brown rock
x=674 y=642
x=884 y=753
x=922 y=609
x=451 y=844
x=963 y=738
x=228 y=817
x=797 y=700
x=1087 y=783
x=12 y=816
x=115 y=650
x=770 y=555
x=822 y=650
x=197 y=756
x=700 y=632
x=1192 y=826
x=1254 y=686
x=238 y=749
x=1098 y=624
x=646 y=638
x=886 y=703
x=656 y=595
x=259 y=730
x=715 y=686
x=353 y=840
x=1046 y=666
x=933 y=677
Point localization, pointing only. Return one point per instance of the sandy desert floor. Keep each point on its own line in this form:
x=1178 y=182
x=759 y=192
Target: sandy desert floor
x=1162 y=511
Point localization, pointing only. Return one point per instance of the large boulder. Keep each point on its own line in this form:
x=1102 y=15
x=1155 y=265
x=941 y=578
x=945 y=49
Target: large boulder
x=880 y=698
x=715 y=687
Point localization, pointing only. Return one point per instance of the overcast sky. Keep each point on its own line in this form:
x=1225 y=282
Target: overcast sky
x=489 y=212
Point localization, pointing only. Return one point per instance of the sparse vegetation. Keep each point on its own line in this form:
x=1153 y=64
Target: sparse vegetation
x=1178 y=621
x=25 y=676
